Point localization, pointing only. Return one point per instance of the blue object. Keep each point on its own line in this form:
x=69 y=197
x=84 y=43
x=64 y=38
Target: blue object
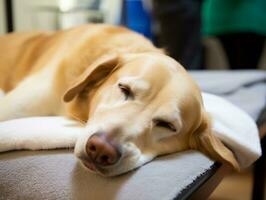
x=137 y=18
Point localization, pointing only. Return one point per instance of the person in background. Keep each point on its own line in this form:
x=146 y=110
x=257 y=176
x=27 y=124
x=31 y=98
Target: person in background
x=180 y=30
x=240 y=25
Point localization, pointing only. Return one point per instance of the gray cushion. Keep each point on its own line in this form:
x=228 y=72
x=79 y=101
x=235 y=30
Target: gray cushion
x=57 y=175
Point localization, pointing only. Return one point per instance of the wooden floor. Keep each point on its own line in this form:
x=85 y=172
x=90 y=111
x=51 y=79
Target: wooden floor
x=237 y=186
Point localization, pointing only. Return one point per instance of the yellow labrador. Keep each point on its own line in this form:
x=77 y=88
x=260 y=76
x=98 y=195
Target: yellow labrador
x=135 y=102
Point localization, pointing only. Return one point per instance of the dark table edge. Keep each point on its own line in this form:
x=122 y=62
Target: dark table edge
x=205 y=184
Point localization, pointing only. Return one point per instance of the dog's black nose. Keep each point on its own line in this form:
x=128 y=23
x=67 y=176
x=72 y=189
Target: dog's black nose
x=101 y=151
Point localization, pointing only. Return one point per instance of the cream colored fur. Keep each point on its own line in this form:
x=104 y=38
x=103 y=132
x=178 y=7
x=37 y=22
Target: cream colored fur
x=78 y=73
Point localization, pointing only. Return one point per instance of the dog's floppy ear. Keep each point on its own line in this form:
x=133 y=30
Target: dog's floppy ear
x=204 y=140
x=94 y=75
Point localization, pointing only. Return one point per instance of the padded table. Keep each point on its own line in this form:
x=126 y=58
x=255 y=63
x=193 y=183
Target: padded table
x=56 y=174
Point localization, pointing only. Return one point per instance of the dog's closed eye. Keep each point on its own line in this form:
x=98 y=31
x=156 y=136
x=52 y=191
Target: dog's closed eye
x=163 y=124
x=126 y=91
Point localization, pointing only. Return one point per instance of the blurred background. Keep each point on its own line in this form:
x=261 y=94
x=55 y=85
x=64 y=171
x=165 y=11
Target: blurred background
x=205 y=35
x=201 y=34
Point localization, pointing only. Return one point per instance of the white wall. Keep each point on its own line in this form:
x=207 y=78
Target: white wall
x=41 y=14
x=2 y=17
x=26 y=17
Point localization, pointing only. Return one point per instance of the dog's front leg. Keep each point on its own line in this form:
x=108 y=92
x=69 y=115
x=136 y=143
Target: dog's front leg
x=34 y=96
x=36 y=133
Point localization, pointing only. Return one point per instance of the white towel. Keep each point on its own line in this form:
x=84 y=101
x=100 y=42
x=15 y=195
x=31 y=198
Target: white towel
x=235 y=128
x=232 y=125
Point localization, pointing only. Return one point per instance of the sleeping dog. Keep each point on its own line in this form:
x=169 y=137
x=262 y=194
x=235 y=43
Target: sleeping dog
x=135 y=102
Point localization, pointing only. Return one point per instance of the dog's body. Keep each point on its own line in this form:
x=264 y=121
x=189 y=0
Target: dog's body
x=50 y=62
x=137 y=102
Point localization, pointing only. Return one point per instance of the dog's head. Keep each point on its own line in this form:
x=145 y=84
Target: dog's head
x=136 y=107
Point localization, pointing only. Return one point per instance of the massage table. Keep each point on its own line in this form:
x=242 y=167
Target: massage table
x=56 y=174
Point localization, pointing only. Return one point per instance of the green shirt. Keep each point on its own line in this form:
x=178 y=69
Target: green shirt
x=233 y=16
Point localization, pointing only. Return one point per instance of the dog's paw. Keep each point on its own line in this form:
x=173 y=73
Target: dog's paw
x=7 y=141
x=38 y=133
